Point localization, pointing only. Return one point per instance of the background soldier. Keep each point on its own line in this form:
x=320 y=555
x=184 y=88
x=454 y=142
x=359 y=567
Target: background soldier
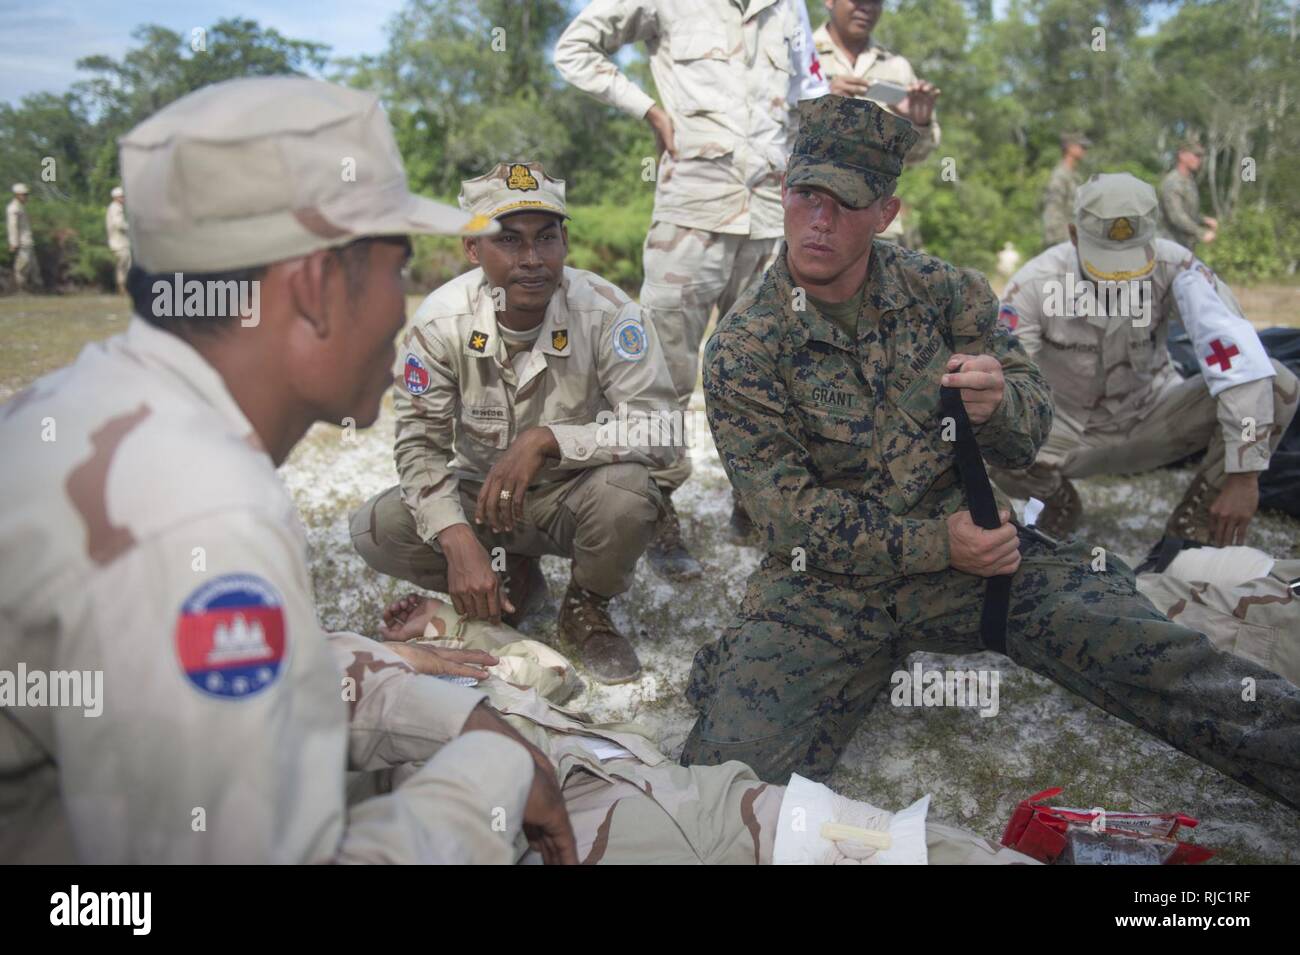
x=27 y=271
x=1180 y=200
x=1058 y=195
x=1095 y=316
x=826 y=410
x=852 y=61
x=502 y=383
x=729 y=77
x=119 y=238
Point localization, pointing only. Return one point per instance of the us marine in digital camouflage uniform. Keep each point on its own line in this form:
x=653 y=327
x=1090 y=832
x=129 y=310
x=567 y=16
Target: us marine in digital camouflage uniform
x=1180 y=200
x=829 y=426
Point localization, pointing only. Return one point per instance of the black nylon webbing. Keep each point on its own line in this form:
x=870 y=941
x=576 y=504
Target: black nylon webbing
x=984 y=512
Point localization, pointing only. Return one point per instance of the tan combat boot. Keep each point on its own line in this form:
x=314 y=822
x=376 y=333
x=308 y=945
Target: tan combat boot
x=584 y=623
x=1061 y=512
x=666 y=553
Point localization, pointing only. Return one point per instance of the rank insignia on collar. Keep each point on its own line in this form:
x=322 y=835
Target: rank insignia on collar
x=559 y=339
x=478 y=342
x=1120 y=230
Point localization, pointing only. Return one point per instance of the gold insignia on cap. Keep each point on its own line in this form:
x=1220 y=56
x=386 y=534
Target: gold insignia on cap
x=476 y=224
x=559 y=339
x=1120 y=230
x=478 y=342
x=521 y=178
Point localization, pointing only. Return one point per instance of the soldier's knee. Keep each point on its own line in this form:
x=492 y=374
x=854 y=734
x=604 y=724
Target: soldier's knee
x=379 y=527
x=624 y=498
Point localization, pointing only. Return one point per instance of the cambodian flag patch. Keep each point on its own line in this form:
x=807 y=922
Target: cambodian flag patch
x=230 y=637
x=1009 y=317
x=417 y=376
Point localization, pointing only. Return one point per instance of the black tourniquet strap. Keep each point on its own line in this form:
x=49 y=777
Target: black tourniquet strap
x=984 y=511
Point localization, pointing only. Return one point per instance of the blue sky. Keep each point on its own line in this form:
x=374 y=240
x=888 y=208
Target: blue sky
x=41 y=40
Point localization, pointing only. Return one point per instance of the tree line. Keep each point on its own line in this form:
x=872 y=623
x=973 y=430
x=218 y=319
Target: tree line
x=470 y=82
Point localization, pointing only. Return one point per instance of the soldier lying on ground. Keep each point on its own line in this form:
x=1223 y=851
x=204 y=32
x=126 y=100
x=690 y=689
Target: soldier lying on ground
x=1094 y=313
x=823 y=389
x=627 y=801
x=503 y=383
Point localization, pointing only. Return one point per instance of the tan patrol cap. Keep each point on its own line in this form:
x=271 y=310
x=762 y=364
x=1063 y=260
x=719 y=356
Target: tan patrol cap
x=1115 y=215
x=20 y=189
x=117 y=193
x=513 y=187
x=254 y=171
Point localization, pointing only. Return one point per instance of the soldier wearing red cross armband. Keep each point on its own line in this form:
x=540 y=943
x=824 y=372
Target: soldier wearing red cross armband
x=1094 y=314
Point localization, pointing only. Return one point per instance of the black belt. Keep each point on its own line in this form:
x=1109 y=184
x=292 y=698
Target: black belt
x=984 y=512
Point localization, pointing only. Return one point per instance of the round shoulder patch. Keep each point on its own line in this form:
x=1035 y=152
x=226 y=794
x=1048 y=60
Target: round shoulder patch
x=416 y=375
x=230 y=637
x=629 y=339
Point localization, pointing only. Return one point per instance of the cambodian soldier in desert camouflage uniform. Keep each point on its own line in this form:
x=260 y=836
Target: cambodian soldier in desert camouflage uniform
x=628 y=802
x=823 y=390
x=532 y=404
x=729 y=75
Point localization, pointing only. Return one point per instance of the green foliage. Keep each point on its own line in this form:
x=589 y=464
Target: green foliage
x=468 y=83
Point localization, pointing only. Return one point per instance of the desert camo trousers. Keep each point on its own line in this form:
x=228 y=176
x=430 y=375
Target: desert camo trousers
x=708 y=814
x=785 y=687
x=1181 y=422
x=689 y=272
x=602 y=518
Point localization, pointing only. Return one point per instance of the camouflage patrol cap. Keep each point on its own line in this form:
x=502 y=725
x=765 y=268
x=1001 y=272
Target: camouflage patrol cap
x=850 y=147
x=1075 y=139
x=253 y=171
x=1191 y=146
x=513 y=187
x=1115 y=217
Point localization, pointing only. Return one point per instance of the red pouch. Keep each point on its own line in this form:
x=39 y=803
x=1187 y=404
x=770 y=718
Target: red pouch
x=1094 y=836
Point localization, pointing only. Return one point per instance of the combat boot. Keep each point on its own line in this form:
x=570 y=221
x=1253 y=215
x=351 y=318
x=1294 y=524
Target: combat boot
x=1191 y=518
x=1061 y=512
x=740 y=529
x=667 y=554
x=525 y=586
x=584 y=624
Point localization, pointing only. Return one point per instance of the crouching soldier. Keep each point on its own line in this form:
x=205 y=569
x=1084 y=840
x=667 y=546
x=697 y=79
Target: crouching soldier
x=1094 y=313
x=519 y=389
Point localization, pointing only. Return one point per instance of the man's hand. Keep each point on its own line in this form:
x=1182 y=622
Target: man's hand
x=546 y=820
x=849 y=86
x=974 y=550
x=512 y=473
x=1233 y=509
x=1210 y=222
x=981 y=382
x=665 y=139
x=437 y=661
x=476 y=591
x=918 y=105
x=1208 y=236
